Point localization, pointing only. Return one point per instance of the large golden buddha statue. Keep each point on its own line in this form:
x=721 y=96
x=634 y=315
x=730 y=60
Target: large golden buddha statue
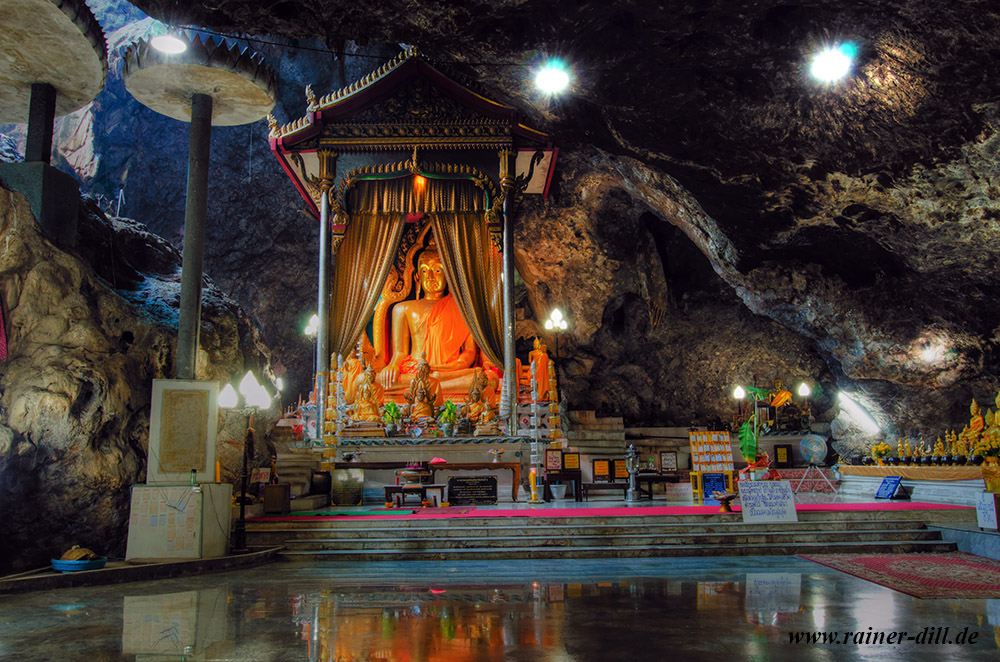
x=430 y=327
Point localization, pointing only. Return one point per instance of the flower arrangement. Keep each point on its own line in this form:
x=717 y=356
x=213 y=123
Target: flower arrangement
x=496 y=453
x=880 y=451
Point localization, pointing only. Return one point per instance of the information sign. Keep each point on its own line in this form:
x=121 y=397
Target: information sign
x=767 y=501
x=887 y=489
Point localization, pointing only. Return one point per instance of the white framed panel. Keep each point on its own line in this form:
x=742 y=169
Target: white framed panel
x=183 y=423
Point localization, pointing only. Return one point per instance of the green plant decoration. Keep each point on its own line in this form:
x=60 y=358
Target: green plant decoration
x=749 y=432
x=449 y=413
x=748 y=439
x=391 y=413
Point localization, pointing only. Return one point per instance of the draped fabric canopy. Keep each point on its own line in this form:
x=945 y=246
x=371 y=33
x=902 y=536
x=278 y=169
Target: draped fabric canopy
x=362 y=265
x=377 y=209
x=473 y=266
x=413 y=195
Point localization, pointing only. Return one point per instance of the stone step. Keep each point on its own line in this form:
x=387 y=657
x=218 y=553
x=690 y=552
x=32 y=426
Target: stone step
x=310 y=502
x=618 y=541
x=492 y=553
x=279 y=532
x=949 y=515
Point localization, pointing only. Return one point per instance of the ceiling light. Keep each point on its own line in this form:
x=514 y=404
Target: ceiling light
x=552 y=78
x=833 y=63
x=168 y=43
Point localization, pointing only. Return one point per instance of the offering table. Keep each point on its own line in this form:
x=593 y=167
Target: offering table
x=515 y=468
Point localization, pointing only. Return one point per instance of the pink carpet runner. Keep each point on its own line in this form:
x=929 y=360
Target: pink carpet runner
x=621 y=511
x=951 y=575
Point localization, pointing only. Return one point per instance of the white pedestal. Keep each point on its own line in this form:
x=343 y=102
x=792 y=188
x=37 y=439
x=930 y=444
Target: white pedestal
x=171 y=522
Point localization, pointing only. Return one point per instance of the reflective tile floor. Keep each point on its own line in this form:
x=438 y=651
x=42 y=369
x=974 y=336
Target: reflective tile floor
x=742 y=608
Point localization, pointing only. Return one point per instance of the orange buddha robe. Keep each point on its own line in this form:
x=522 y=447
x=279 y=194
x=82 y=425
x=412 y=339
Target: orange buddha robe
x=445 y=335
x=446 y=332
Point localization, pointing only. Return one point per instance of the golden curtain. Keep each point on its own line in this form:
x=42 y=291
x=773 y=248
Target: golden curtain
x=410 y=195
x=361 y=266
x=473 y=266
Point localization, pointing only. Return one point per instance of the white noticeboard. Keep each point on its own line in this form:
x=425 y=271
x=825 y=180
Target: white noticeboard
x=174 y=624
x=679 y=491
x=767 y=501
x=182 y=426
x=986 y=511
x=179 y=521
x=774 y=592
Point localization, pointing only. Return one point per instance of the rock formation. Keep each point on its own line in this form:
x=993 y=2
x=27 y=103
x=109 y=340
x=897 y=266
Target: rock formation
x=86 y=335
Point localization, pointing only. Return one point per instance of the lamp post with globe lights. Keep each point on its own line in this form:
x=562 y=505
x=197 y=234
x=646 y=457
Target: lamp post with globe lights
x=254 y=397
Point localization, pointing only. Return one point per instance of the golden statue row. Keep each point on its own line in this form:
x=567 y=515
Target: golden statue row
x=982 y=434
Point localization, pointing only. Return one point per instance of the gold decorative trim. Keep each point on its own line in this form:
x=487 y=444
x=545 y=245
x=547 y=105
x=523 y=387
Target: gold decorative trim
x=310 y=99
x=341 y=94
x=413 y=166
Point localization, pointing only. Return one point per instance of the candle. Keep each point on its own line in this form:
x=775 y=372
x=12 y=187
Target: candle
x=218 y=472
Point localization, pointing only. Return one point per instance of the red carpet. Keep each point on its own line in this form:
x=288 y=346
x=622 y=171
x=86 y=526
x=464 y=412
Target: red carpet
x=952 y=575
x=621 y=511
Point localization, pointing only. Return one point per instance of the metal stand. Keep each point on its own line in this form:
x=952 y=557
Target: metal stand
x=822 y=475
x=240 y=530
x=632 y=466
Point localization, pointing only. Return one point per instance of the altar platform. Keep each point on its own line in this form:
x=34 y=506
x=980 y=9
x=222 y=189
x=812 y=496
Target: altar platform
x=958 y=485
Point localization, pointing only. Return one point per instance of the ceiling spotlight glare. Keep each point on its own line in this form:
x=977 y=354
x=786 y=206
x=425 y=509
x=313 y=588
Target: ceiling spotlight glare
x=168 y=43
x=552 y=78
x=833 y=63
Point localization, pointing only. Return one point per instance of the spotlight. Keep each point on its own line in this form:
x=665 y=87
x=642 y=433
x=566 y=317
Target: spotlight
x=833 y=63
x=552 y=78
x=168 y=43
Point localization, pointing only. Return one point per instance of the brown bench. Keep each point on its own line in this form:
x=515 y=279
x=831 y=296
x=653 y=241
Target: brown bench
x=396 y=494
x=602 y=487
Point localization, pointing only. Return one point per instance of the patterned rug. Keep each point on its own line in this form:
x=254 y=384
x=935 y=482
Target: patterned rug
x=951 y=575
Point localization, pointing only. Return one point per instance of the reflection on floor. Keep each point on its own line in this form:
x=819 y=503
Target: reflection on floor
x=631 y=609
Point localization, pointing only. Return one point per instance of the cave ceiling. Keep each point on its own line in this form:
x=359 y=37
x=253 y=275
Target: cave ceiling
x=715 y=94
x=863 y=215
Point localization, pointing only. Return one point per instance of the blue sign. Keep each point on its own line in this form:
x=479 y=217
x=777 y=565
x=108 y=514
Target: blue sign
x=712 y=483
x=887 y=490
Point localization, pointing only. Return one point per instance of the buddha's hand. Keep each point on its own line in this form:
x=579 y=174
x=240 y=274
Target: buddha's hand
x=388 y=375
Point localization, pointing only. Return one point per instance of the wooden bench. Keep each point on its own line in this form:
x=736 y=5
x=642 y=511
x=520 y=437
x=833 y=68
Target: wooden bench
x=602 y=487
x=396 y=494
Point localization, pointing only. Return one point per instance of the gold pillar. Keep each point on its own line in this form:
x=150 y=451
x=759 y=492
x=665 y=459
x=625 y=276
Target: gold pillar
x=508 y=188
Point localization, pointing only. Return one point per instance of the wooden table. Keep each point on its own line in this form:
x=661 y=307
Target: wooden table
x=396 y=494
x=650 y=479
x=576 y=477
x=515 y=468
x=376 y=465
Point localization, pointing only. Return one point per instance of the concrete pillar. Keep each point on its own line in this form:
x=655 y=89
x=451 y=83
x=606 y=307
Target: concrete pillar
x=323 y=311
x=41 y=116
x=189 y=325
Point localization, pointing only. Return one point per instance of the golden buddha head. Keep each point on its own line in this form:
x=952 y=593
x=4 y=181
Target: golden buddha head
x=430 y=272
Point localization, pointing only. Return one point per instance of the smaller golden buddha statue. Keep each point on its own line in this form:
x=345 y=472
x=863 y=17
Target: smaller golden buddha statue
x=939 y=450
x=973 y=431
x=474 y=405
x=780 y=396
x=540 y=358
x=422 y=379
x=899 y=448
x=368 y=405
x=487 y=425
x=421 y=404
x=909 y=448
